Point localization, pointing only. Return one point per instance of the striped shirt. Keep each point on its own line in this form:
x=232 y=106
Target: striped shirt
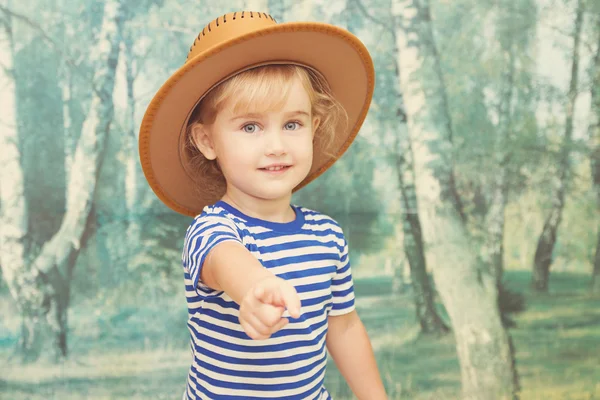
x=311 y=253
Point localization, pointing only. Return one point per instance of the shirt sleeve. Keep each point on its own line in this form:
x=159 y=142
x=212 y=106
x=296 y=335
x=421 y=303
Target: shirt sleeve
x=342 y=285
x=201 y=237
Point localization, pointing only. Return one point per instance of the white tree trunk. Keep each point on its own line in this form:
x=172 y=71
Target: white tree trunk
x=560 y=182
x=89 y=151
x=67 y=92
x=493 y=249
x=594 y=135
x=467 y=288
x=414 y=249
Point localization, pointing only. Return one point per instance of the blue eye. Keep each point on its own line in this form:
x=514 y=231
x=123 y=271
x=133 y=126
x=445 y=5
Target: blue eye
x=246 y=127
x=291 y=125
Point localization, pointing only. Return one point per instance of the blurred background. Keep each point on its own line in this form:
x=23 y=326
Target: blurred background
x=470 y=199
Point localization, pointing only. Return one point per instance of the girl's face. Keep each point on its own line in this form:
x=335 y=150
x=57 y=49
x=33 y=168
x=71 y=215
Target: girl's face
x=263 y=156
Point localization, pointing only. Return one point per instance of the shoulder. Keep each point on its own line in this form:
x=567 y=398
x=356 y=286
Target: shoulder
x=328 y=229
x=319 y=221
x=213 y=219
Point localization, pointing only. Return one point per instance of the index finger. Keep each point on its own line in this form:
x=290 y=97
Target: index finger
x=291 y=300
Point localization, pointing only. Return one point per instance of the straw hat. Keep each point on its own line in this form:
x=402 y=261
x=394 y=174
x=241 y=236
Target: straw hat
x=231 y=44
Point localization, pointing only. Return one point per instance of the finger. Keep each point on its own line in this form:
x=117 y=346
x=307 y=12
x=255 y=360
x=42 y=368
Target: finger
x=260 y=294
x=292 y=301
x=252 y=332
x=258 y=325
x=269 y=315
x=266 y=330
x=282 y=322
x=266 y=294
x=277 y=299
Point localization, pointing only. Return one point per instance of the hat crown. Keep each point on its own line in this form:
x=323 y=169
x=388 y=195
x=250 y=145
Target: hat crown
x=228 y=27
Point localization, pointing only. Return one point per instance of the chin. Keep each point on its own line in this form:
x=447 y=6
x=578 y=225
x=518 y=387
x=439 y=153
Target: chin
x=276 y=190
x=274 y=195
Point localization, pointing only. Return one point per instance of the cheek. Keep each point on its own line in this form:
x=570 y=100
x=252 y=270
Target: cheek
x=231 y=149
x=306 y=147
x=242 y=157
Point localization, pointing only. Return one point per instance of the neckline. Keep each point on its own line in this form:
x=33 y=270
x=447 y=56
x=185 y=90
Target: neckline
x=294 y=225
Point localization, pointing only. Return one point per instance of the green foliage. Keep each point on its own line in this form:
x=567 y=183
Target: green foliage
x=157 y=261
x=40 y=123
x=473 y=44
x=345 y=192
x=578 y=231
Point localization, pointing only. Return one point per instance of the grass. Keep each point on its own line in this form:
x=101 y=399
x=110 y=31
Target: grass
x=557 y=340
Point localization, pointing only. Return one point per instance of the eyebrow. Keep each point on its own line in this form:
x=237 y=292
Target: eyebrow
x=255 y=115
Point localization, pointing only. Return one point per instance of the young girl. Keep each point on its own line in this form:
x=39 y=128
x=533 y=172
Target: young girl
x=259 y=110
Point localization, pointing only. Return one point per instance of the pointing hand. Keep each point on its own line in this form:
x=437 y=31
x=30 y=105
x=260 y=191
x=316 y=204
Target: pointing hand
x=262 y=308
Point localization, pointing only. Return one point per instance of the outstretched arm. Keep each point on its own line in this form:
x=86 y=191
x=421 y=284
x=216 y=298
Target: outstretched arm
x=262 y=296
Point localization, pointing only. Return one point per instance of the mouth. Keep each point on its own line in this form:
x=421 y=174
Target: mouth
x=276 y=169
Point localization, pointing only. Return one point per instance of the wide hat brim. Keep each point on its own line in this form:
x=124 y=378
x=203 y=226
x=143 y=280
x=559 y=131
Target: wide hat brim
x=337 y=54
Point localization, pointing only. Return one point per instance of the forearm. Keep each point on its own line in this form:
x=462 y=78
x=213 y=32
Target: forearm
x=352 y=352
x=230 y=267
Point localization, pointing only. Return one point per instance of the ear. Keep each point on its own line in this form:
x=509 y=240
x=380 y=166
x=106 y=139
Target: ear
x=202 y=139
x=315 y=125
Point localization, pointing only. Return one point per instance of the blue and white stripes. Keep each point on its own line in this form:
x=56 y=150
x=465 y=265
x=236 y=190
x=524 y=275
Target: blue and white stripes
x=312 y=254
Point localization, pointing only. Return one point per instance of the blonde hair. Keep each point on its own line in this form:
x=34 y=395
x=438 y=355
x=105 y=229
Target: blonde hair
x=262 y=86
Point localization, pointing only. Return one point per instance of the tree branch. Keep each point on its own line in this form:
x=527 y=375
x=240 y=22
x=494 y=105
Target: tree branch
x=31 y=23
x=363 y=10
x=7 y=71
x=38 y=28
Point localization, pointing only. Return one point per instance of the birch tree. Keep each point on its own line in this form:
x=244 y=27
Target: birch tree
x=42 y=290
x=514 y=26
x=594 y=135
x=391 y=103
x=560 y=181
x=494 y=244
x=466 y=284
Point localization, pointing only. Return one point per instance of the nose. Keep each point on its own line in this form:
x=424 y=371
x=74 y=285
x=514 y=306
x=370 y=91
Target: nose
x=275 y=143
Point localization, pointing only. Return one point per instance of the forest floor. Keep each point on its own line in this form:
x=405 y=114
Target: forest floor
x=122 y=351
